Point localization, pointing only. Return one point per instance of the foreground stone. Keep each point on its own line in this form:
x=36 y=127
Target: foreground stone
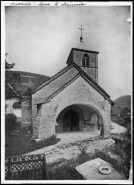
x=89 y=170
x=117 y=129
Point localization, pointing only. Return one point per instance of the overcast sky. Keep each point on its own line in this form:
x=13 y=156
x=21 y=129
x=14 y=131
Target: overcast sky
x=39 y=40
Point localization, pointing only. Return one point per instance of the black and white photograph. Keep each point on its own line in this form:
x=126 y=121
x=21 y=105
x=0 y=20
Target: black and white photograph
x=66 y=91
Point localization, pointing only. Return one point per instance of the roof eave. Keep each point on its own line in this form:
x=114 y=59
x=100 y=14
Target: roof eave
x=51 y=79
x=77 y=49
x=85 y=50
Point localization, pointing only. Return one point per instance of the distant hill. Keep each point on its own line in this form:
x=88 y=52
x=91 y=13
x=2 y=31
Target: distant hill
x=121 y=103
x=27 y=80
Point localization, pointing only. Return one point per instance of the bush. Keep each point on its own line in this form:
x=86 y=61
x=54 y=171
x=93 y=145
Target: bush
x=10 y=123
x=126 y=153
x=123 y=148
x=50 y=141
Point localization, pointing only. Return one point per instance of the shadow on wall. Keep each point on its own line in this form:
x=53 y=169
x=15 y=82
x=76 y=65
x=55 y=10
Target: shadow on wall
x=78 y=118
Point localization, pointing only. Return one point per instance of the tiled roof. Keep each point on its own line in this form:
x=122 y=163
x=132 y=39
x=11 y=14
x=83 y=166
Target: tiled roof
x=59 y=81
x=25 y=98
x=11 y=91
x=78 y=49
x=17 y=105
x=53 y=78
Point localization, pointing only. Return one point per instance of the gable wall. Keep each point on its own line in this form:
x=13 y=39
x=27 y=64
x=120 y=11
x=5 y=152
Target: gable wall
x=78 y=92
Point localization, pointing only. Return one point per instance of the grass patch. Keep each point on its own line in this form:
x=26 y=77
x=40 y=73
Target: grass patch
x=65 y=169
x=20 y=144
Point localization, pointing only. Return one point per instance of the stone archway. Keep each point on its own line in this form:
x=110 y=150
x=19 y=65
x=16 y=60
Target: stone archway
x=71 y=121
x=84 y=122
x=73 y=117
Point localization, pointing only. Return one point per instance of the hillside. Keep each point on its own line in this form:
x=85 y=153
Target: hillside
x=27 y=80
x=121 y=103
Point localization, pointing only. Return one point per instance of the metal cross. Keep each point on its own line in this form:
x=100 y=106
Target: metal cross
x=81 y=34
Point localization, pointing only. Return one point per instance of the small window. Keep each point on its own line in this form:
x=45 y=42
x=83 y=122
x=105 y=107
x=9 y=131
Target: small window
x=38 y=109
x=85 y=60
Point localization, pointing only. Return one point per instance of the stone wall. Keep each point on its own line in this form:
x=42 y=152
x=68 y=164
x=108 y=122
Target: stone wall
x=70 y=60
x=92 y=70
x=78 y=92
x=26 y=113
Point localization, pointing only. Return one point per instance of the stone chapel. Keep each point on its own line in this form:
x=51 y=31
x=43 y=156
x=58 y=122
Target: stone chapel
x=71 y=100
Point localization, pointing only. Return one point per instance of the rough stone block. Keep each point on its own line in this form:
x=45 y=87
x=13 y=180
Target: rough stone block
x=89 y=170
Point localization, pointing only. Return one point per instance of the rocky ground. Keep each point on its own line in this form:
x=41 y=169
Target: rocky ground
x=69 y=148
x=117 y=129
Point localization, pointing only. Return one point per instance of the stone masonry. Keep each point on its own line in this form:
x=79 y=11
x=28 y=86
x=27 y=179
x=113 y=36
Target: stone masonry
x=76 y=57
x=26 y=113
x=78 y=92
x=75 y=87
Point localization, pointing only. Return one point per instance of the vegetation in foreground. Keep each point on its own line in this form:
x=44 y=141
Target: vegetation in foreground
x=65 y=169
x=21 y=143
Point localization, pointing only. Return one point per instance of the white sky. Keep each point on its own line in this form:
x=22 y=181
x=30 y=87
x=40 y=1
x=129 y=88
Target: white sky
x=39 y=40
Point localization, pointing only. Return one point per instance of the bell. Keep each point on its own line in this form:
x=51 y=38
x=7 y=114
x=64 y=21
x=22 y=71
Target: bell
x=81 y=39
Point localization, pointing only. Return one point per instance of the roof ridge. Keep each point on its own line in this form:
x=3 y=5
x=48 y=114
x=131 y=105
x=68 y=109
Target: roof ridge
x=100 y=91
x=92 y=82
x=61 y=88
x=85 y=50
x=90 y=78
x=13 y=88
x=77 y=49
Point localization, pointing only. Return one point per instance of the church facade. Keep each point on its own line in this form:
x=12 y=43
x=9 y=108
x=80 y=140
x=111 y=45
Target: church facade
x=70 y=101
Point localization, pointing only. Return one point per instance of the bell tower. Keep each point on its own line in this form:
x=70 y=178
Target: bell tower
x=87 y=60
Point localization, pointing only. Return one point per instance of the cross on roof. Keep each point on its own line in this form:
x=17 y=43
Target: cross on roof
x=81 y=38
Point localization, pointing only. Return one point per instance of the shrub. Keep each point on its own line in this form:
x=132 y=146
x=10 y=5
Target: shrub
x=126 y=153
x=50 y=141
x=123 y=148
x=10 y=123
x=29 y=128
x=45 y=142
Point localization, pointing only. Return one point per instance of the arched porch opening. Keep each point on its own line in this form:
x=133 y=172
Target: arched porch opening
x=71 y=121
x=79 y=117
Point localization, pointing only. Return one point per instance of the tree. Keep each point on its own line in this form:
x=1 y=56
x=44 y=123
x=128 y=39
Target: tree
x=27 y=91
x=9 y=78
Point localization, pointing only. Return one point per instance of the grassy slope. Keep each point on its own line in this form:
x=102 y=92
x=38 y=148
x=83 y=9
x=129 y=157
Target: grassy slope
x=121 y=103
x=28 y=80
x=20 y=143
